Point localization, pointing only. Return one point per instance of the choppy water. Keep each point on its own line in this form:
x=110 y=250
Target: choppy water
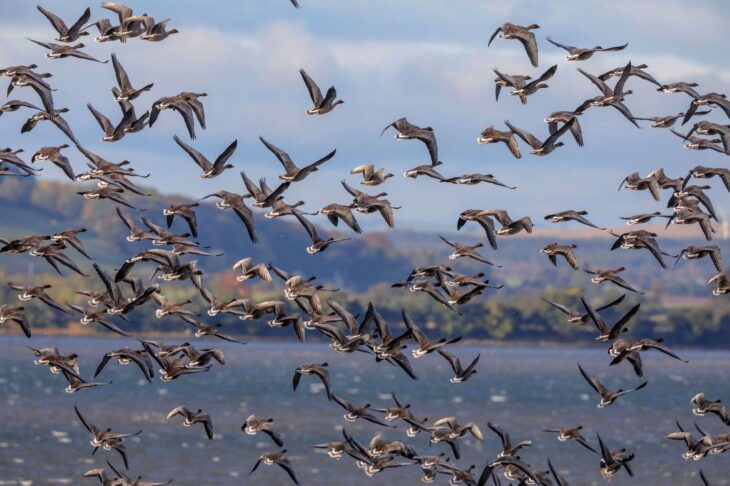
x=521 y=389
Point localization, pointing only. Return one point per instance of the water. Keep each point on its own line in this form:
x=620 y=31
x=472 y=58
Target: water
x=521 y=389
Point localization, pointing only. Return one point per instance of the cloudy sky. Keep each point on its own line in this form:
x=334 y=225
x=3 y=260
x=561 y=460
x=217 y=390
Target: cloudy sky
x=426 y=60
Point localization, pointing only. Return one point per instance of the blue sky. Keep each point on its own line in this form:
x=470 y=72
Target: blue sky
x=423 y=59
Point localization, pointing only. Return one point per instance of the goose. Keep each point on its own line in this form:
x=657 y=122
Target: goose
x=509 y=227
x=136 y=232
x=697 y=449
x=281 y=208
x=428 y=287
x=690 y=216
x=622 y=349
x=613 y=461
x=702 y=406
x=166 y=307
x=564 y=117
x=607 y=397
x=638 y=71
x=461 y=374
x=365 y=203
x=571 y=215
x=320 y=370
x=426 y=170
x=104 y=437
x=262 y=193
x=154 y=31
x=28 y=293
x=279 y=459
x=696 y=143
x=425 y=345
x=467 y=251
x=709 y=128
x=59 y=51
x=54 y=155
x=370 y=176
x=236 y=202
x=508 y=448
x=184 y=211
x=354 y=412
x=54 y=117
x=456 y=297
x=609 y=333
x=125 y=356
x=205 y=330
x=15 y=105
x=522 y=89
x=553 y=250
x=321 y=105
x=576 y=317
x=667 y=121
x=172 y=368
x=408 y=131
x=643 y=218
x=522 y=34
x=107 y=31
x=640 y=239
x=292 y=173
x=567 y=433
x=210 y=170
x=474 y=179
x=693 y=252
x=513 y=468
x=10 y=157
x=580 y=53
x=636 y=183
x=254 y=425
x=318 y=244
x=713 y=99
x=248 y=270
x=65 y=33
x=193 y=418
x=15 y=314
x=54 y=255
x=508 y=80
x=492 y=135
x=113 y=194
x=610 y=97
x=680 y=87
x=126 y=91
x=70 y=237
x=538 y=147
x=122 y=477
x=218 y=306
x=178 y=103
x=698 y=193
x=111 y=133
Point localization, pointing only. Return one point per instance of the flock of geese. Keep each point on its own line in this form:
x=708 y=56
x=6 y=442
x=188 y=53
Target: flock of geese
x=305 y=305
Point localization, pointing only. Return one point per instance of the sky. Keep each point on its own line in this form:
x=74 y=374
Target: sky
x=426 y=60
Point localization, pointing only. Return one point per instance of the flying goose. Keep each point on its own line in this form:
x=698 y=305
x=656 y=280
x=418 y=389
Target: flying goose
x=105 y=438
x=154 y=31
x=508 y=448
x=205 y=330
x=609 y=333
x=571 y=215
x=279 y=459
x=184 y=211
x=65 y=33
x=693 y=252
x=248 y=270
x=262 y=193
x=54 y=117
x=408 y=131
x=680 y=87
x=54 y=155
x=564 y=117
x=644 y=217
x=59 y=51
x=428 y=287
x=28 y=293
x=538 y=147
x=638 y=71
x=622 y=349
x=14 y=313
x=607 y=397
x=696 y=143
x=522 y=89
x=127 y=355
x=636 y=183
x=468 y=251
x=193 y=418
x=354 y=412
x=474 y=179
x=292 y=173
x=702 y=406
x=690 y=216
x=167 y=307
x=698 y=193
x=425 y=345
x=111 y=133
x=553 y=250
x=8 y=156
x=254 y=425
x=126 y=91
x=365 y=203
x=576 y=317
x=565 y=434
x=581 y=54
x=522 y=34
x=610 y=97
x=709 y=128
x=461 y=374
x=667 y=121
x=236 y=202
x=210 y=170
x=321 y=105
x=370 y=176
x=698 y=449
x=492 y=135
x=318 y=244
x=505 y=80
x=320 y=370
x=15 y=105
x=509 y=227
x=640 y=239
x=182 y=104
x=713 y=99
x=613 y=461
